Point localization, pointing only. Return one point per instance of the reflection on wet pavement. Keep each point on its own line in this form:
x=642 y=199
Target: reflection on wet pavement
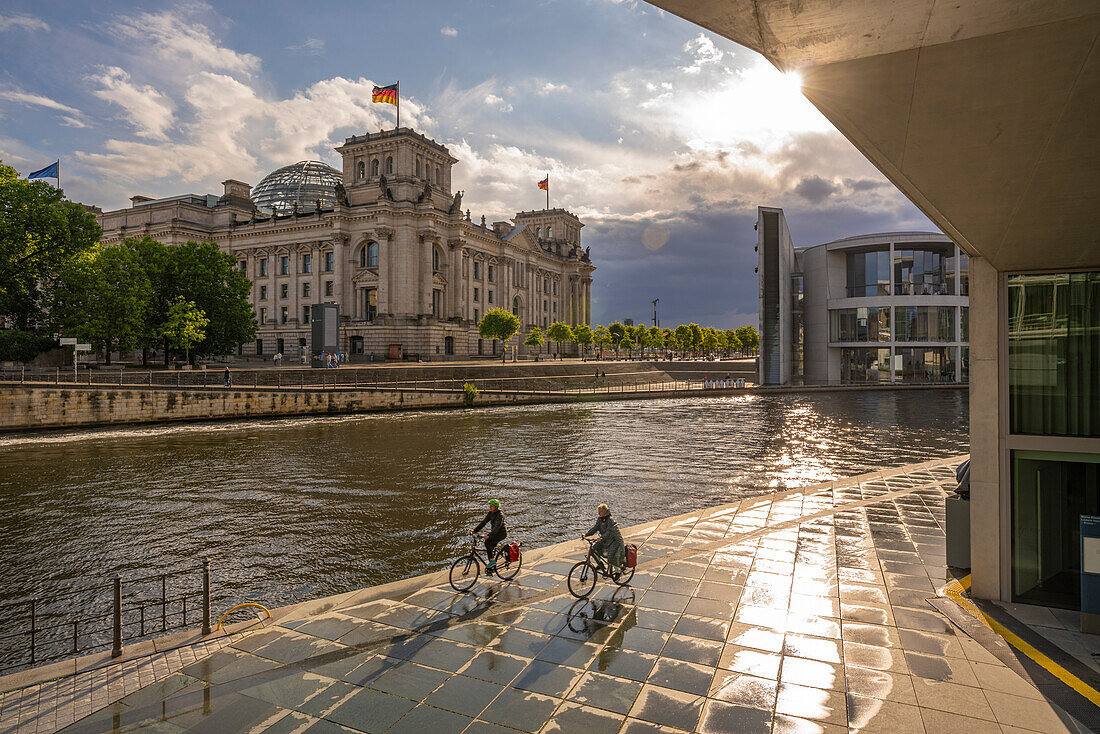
x=802 y=612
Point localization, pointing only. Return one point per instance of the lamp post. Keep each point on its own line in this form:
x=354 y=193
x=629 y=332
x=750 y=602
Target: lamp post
x=655 y=321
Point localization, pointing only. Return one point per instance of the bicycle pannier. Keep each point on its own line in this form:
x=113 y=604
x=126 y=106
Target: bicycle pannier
x=513 y=552
x=631 y=556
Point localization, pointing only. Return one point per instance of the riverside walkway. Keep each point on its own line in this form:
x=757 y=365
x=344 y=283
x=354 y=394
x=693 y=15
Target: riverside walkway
x=813 y=610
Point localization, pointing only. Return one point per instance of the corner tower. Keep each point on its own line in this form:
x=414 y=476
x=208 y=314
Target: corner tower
x=554 y=228
x=406 y=160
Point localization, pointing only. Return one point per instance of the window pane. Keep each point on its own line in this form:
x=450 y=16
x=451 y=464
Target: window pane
x=865 y=365
x=870 y=324
x=1054 y=354
x=925 y=364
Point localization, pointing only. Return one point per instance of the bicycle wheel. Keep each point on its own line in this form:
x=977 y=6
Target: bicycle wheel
x=504 y=568
x=582 y=580
x=464 y=573
x=624 y=576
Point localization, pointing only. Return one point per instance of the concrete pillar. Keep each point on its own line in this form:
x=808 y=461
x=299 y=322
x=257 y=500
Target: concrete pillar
x=989 y=495
x=383 y=286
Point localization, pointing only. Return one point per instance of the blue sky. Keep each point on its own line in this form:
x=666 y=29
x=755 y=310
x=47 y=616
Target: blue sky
x=661 y=137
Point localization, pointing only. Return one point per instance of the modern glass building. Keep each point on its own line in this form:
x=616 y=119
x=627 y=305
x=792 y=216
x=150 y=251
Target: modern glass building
x=891 y=307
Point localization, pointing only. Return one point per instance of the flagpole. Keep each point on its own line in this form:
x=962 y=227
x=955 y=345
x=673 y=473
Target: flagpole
x=547 y=190
x=59 y=174
x=398 y=103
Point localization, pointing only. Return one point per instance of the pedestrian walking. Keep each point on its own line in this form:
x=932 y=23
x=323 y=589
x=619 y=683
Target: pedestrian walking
x=228 y=378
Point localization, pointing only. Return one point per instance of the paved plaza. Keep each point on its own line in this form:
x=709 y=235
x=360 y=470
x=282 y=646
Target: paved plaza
x=802 y=612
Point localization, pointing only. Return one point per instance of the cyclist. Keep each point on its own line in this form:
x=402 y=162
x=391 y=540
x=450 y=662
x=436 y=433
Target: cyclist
x=498 y=531
x=610 y=544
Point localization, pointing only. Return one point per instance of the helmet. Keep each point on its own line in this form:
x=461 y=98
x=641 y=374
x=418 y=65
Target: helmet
x=494 y=503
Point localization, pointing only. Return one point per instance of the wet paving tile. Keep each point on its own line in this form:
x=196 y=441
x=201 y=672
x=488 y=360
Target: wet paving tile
x=289 y=689
x=484 y=727
x=119 y=719
x=369 y=634
x=606 y=692
x=758 y=638
x=221 y=712
x=744 y=690
x=640 y=639
x=720 y=717
x=573 y=717
x=668 y=707
x=327 y=699
x=812 y=703
x=813 y=648
x=750 y=662
x=784 y=724
x=713 y=608
x=520 y=642
x=494 y=667
x=624 y=663
x=339 y=665
x=681 y=676
x=297 y=723
x=425 y=718
x=933 y=667
x=693 y=650
x=917 y=620
x=224 y=666
x=473 y=633
x=704 y=628
x=550 y=679
x=654 y=619
x=812 y=673
x=330 y=628
x=871 y=714
x=464 y=695
x=370 y=711
x=520 y=710
x=664 y=601
x=445 y=654
x=409 y=680
x=572 y=653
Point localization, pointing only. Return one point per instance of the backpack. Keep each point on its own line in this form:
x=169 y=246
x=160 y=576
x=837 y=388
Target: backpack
x=631 y=556
x=513 y=552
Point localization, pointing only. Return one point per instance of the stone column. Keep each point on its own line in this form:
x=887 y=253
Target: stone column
x=296 y=290
x=990 y=549
x=387 y=256
x=341 y=272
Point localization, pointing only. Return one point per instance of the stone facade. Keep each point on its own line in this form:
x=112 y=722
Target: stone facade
x=397 y=253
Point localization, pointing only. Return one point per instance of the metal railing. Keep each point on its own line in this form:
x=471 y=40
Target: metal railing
x=344 y=378
x=43 y=631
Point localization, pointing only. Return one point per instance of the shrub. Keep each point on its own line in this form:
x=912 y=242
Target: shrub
x=22 y=346
x=469 y=392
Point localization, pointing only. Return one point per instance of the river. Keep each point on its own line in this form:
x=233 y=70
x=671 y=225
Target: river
x=299 y=508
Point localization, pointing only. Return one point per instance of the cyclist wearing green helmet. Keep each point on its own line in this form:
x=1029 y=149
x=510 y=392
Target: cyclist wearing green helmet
x=498 y=531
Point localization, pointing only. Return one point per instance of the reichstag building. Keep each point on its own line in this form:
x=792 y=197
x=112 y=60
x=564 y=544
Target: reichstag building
x=388 y=242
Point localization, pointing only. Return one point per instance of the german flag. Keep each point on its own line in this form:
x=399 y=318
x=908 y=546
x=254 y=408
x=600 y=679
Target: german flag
x=545 y=184
x=387 y=95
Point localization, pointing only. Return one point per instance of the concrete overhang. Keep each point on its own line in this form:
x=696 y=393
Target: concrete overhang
x=986 y=113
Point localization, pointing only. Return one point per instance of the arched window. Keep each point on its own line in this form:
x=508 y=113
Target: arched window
x=538 y=232
x=374 y=168
x=438 y=176
x=362 y=170
x=428 y=171
x=418 y=168
x=549 y=231
x=515 y=306
x=370 y=256
x=389 y=164
x=435 y=259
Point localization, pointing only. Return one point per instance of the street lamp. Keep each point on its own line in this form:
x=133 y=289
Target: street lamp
x=655 y=321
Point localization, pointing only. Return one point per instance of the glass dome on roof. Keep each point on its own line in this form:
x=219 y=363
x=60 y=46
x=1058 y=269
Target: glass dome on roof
x=304 y=182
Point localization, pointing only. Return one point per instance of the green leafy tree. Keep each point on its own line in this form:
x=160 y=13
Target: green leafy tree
x=696 y=340
x=601 y=335
x=617 y=331
x=582 y=334
x=102 y=297
x=628 y=344
x=683 y=337
x=499 y=323
x=656 y=338
x=534 y=340
x=749 y=337
x=201 y=273
x=39 y=235
x=22 y=346
x=560 y=332
x=710 y=339
x=640 y=336
x=185 y=326
x=157 y=261
x=733 y=342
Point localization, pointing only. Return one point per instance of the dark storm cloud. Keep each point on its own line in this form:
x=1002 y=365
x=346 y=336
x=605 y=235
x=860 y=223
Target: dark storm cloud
x=815 y=189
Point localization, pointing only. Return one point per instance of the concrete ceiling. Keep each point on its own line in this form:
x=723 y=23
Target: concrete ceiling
x=985 y=113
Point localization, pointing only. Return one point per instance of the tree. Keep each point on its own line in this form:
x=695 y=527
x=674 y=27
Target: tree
x=185 y=326
x=560 y=332
x=640 y=335
x=710 y=339
x=696 y=340
x=157 y=261
x=602 y=337
x=102 y=296
x=583 y=335
x=39 y=235
x=683 y=337
x=628 y=344
x=617 y=331
x=201 y=273
x=733 y=342
x=534 y=339
x=749 y=337
x=656 y=338
x=499 y=323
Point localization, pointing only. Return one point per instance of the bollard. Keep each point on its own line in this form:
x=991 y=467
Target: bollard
x=204 y=378
x=119 y=375
x=57 y=377
x=163 y=602
x=23 y=373
x=116 y=626
x=34 y=625
x=205 y=596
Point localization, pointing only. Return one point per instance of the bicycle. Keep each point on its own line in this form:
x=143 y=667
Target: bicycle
x=466 y=569
x=583 y=575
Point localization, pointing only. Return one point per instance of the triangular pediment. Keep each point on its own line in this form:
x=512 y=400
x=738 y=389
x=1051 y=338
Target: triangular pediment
x=438 y=279
x=365 y=277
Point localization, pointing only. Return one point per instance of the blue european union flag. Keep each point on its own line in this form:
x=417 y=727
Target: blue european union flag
x=49 y=171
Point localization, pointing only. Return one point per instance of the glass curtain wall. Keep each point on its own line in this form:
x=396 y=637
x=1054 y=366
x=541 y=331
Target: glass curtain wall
x=924 y=364
x=871 y=324
x=797 y=326
x=1054 y=354
x=865 y=365
x=1050 y=492
x=868 y=273
x=922 y=271
x=925 y=323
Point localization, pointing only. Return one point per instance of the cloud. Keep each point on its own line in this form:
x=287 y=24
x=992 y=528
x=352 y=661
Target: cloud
x=551 y=88
x=147 y=109
x=22 y=22
x=37 y=100
x=449 y=31
x=494 y=101
x=312 y=46
x=815 y=189
x=173 y=37
x=703 y=52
